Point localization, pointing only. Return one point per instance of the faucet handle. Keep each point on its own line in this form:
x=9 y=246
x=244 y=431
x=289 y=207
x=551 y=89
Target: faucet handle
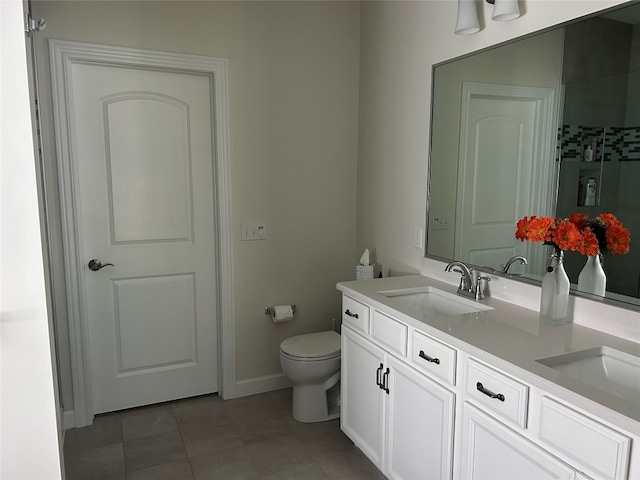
x=467 y=281
x=480 y=295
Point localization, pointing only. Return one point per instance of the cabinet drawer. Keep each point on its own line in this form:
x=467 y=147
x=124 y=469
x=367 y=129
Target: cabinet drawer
x=355 y=314
x=434 y=357
x=498 y=393
x=600 y=451
x=390 y=332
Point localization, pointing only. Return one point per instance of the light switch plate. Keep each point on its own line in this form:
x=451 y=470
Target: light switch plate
x=440 y=223
x=253 y=231
x=418 y=237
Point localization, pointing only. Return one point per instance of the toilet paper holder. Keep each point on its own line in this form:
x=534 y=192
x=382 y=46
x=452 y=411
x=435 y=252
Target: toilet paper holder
x=271 y=311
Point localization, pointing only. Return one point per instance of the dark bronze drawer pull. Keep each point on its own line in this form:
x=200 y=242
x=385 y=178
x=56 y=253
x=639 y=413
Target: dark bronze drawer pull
x=428 y=358
x=489 y=393
x=354 y=315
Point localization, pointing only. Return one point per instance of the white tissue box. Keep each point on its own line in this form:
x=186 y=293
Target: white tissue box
x=364 y=272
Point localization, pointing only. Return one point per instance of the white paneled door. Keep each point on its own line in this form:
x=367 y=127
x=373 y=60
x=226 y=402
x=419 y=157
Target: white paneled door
x=142 y=151
x=506 y=171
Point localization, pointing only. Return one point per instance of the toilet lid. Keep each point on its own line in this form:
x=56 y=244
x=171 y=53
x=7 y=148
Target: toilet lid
x=312 y=345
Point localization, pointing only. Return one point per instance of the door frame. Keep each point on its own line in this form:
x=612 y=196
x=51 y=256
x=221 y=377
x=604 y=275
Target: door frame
x=63 y=55
x=544 y=181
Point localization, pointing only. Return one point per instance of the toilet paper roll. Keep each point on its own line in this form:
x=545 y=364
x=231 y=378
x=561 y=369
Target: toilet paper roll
x=282 y=313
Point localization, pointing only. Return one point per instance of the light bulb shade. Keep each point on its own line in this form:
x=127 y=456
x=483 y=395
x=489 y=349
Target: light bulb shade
x=505 y=10
x=467 y=21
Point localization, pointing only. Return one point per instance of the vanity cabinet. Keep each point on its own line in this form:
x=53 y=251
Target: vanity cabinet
x=363 y=401
x=494 y=426
x=596 y=449
x=491 y=451
x=542 y=431
x=420 y=417
x=406 y=394
x=401 y=419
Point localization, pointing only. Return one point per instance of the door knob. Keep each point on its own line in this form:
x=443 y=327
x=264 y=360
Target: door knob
x=95 y=264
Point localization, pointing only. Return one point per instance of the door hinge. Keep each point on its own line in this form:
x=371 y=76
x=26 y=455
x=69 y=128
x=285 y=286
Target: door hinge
x=30 y=25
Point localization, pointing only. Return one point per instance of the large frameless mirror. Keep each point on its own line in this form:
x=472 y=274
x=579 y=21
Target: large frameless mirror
x=530 y=128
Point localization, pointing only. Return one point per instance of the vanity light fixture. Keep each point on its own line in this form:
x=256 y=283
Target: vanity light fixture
x=504 y=10
x=467 y=22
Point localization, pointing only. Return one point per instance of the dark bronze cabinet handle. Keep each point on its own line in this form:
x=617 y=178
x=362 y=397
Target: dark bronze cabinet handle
x=489 y=393
x=354 y=315
x=385 y=380
x=428 y=358
x=378 y=379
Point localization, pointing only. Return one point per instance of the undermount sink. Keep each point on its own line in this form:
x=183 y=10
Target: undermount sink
x=432 y=301
x=604 y=368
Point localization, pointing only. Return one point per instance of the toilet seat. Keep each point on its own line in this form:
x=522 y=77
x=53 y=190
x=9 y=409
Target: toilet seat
x=309 y=358
x=312 y=346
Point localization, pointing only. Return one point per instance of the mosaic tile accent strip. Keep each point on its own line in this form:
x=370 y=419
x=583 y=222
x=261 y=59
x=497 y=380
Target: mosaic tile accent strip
x=631 y=144
x=620 y=143
x=571 y=144
x=613 y=149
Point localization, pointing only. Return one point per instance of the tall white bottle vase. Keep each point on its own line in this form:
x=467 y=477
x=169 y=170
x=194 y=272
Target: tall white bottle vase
x=592 y=278
x=554 y=292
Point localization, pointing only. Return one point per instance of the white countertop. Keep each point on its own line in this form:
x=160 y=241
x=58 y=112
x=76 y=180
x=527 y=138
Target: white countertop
x=510 y=338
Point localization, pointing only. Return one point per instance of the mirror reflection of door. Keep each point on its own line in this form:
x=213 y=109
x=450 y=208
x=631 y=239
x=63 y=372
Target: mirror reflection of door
x=502 y=171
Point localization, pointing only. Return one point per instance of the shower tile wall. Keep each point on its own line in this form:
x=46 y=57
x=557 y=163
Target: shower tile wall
x=601 y=78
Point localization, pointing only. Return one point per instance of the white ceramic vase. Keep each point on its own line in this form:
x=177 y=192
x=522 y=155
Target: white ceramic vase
x=592 y=278
x=554 y=295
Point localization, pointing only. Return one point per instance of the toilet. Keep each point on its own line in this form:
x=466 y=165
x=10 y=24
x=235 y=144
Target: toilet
x=312 y=363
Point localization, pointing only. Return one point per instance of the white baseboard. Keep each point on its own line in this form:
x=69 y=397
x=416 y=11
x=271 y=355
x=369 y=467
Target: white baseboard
x=256 y=385
x=68 y=419
x=244 y=388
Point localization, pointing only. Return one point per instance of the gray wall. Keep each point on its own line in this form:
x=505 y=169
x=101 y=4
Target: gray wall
x=293 y=87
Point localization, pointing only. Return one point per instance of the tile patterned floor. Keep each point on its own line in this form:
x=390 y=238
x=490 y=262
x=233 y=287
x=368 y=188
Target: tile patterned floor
x=208 y=438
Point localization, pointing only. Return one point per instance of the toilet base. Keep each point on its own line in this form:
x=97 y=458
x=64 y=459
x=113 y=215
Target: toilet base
x=314 y=403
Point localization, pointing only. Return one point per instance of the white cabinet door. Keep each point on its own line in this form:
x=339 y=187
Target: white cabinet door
x=420 y=426
x=363 y=401
x=492 y=451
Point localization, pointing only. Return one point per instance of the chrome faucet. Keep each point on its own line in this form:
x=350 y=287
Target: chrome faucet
x=470 y=280
x=518 y=258
x=466 y=280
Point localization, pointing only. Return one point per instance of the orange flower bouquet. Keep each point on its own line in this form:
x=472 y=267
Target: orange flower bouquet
x=589 y=236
